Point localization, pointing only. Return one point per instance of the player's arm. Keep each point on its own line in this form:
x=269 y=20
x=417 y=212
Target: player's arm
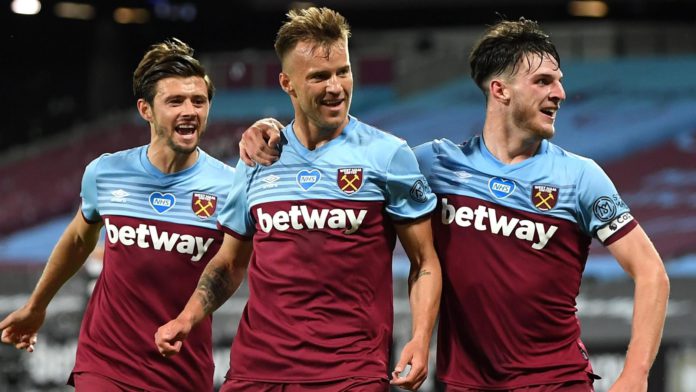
x=639 y=258
x=259 y=142
x=75 y=244
x=220 y=279
x=425 y=285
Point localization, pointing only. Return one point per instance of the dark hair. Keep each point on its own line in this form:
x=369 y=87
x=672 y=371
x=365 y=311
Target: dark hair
x=321 y=25
x=171 y=58
x=504 y=44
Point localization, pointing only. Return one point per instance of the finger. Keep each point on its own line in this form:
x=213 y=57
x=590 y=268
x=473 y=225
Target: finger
x=274 y=142
x=400 y=366
x=266 y=156
x=244 y=156
x=167 y=349
x=269 y=123
x=7 y=336
x=277 y=124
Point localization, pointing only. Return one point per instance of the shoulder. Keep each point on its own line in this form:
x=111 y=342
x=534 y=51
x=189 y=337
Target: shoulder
x=216 y=166
x=115 y=159
x=572 y=161
x=443 y=150
x=370 y=136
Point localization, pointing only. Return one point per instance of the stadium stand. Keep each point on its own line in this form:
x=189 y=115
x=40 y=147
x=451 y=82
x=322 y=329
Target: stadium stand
x=642 y=130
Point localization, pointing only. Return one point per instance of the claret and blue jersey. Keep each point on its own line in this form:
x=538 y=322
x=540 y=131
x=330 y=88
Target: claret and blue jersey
x=320 y=304
x=161 y=231
x=513 y=241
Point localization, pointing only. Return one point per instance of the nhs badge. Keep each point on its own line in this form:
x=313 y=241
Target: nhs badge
x=162 y=202
x=307 y=178
x=500 y=187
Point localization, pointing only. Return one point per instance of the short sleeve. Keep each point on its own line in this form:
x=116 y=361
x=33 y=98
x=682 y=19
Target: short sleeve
x=88 y=193
x=424 y=157
x=603 y=213
x=408 y=194
x=235 y=218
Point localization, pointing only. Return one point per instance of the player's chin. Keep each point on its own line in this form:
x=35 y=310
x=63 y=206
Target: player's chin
x=546 y=132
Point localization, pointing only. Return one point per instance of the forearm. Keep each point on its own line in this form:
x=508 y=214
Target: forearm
x=425 y=285
x=649 y=310
x=216 y=285
x=65 y=260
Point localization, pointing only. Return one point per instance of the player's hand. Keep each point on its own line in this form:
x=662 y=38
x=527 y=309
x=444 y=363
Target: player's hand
x=259 y=143
x=170 y=337
x=415 y=353
x=627 y=383
x=20 y=328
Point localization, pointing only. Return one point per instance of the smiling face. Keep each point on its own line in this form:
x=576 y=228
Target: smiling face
x=535 y=94
x=178 y=114
x=320 y=84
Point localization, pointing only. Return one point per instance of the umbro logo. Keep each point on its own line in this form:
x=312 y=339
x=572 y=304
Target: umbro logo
x=119 y=196
x=271 y=181
x=463 y=176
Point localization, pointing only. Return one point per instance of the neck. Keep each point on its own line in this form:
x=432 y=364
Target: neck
x=312 y=136
x=508 y=143
x=169 y=161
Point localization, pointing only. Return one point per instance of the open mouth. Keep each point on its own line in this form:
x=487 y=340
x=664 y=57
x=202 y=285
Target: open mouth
x=551 y=112
x=332 y=102
x=185 y=129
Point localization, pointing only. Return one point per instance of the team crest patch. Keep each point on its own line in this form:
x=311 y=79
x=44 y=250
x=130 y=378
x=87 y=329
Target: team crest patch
x=307 y=178
x=350 y=180
x=162 y=202
x=203 y=204
x=544 y=197
x=500 y=187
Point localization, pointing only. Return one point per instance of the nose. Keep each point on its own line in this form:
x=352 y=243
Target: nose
x=557 y=92
x=187 y=108
x=333 y=85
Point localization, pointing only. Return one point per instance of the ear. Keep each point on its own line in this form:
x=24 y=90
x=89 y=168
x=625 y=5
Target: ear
x=286 y=84
x=499 y=91
x=145 y=110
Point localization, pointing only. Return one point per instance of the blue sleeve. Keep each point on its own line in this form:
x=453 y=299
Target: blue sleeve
x=408 y=194
x=424 y=156
x=88 y=192
x=235 y=215
x=602 y=211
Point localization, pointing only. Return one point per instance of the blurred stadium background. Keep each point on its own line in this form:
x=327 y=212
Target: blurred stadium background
x=630 y=76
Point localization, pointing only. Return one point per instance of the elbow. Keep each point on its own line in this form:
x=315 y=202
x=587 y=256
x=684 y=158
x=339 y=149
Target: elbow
x=659 y=281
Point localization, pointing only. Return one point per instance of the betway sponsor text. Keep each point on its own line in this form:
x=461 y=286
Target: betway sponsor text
x=146 y=236
x=486 y=219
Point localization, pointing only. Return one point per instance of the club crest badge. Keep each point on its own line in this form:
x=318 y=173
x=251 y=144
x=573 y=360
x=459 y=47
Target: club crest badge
x=501 y=188
x=308 y=178
x=162 y=202
x=349 y=180
x=203 y=204
x=544 y=197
